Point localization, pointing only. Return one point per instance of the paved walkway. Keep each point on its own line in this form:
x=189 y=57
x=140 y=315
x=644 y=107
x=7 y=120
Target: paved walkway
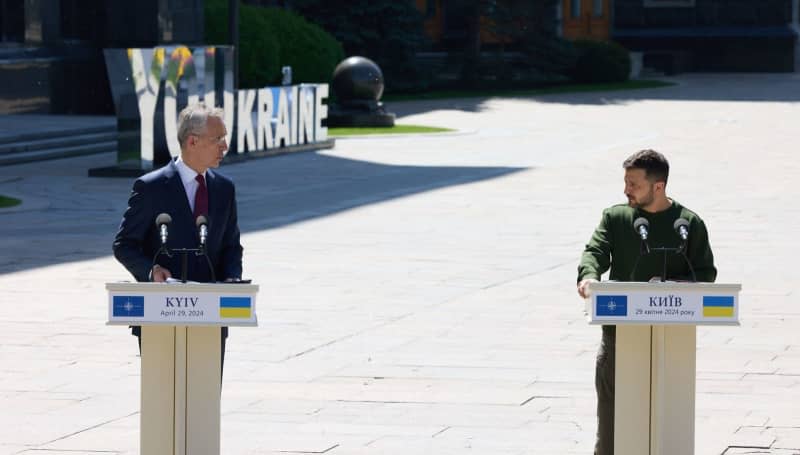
x=419 y=292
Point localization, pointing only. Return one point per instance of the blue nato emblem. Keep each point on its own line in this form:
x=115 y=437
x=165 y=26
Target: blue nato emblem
x=130 y=306
x=612 y=305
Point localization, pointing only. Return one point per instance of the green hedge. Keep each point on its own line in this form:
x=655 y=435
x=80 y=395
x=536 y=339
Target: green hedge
x=600 y=62
x=388 y=32
x=270 y=38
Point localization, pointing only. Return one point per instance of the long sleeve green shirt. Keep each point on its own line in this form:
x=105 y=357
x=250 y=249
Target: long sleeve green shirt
x=617 y=245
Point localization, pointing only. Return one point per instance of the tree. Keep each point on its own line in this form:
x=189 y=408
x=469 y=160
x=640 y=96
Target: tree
x=466 y=14
x=271 y=38
x=527 y=27
x=385 y=31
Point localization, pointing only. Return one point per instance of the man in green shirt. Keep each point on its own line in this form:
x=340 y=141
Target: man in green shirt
x=615 y=244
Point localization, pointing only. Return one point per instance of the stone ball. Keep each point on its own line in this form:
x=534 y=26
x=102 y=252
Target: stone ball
x=357 y=78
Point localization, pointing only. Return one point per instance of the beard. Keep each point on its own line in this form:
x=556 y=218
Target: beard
x=642 y=202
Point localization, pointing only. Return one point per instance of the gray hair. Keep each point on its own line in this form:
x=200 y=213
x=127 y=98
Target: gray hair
x=193 y=120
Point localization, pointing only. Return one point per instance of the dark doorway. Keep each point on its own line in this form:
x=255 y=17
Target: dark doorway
x=12 y=21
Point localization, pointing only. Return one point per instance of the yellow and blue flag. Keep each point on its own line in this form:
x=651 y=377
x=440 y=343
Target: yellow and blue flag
x=235 y=307
x=718 y=306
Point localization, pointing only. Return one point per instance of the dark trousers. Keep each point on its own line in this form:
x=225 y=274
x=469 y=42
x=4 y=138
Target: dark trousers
x=137 y=332
x=604 y=383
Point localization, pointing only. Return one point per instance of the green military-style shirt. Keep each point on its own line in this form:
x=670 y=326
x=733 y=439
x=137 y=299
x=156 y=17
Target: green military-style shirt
x=617 y=245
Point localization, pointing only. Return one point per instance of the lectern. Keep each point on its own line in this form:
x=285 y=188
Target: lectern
x=181 y=376
x=655 y=372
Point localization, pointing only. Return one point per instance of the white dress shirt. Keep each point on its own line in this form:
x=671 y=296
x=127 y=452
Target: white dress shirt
x=190 y=185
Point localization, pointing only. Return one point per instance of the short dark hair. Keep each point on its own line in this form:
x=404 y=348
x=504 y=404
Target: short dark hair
x=655 y=165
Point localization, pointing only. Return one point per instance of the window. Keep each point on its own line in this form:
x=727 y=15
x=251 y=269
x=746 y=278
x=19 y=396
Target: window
x=430 y=8
x=668 y=3
x=575 y=9
x=597 y=8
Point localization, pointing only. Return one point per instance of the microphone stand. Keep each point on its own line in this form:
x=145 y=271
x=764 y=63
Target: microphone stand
x=680 y=250
x=665 y=250
x=644 y=250
x=162 y=250
x=201 y=251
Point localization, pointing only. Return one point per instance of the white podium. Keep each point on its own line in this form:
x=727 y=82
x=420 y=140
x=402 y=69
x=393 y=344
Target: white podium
x=181 y=376
x=655 y=372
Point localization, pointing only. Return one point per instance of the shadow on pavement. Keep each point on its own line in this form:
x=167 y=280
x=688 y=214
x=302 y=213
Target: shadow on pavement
x=81 y=214
x=777 y=87
x=296 y=188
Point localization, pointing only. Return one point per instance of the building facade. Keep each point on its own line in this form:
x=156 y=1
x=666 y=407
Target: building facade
x=692 y=35
x=586 y=19
x=709 y=35
x=51 y=51
x=672 y=35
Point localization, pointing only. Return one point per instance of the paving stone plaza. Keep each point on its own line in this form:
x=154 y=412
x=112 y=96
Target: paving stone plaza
x=418 y=292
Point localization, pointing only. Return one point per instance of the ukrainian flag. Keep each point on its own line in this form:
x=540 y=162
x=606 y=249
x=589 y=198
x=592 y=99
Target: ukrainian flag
x=718 y=306
x=235 y=307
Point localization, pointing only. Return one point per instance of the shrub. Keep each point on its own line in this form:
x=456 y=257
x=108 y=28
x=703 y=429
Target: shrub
x=387 y=32
x=308 y=49
x=599 y=62
x=270 y=38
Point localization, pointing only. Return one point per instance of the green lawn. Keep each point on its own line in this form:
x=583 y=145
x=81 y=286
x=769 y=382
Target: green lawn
x=567 y=88
x=8 y=201
x=397 y=129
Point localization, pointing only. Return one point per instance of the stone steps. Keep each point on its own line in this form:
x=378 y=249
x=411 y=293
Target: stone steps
x=54 y=144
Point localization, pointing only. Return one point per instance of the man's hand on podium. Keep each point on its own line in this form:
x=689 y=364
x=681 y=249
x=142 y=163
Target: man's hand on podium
x=237 y=280
x=583 y=287
x=160 y=274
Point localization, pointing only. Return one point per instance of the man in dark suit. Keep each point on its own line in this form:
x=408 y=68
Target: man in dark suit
x=184 y=189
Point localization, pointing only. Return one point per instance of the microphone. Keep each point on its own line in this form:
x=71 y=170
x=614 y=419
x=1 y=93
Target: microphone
x=202 y=226
x=682 y=228
x=162 y=221
x=641 y=226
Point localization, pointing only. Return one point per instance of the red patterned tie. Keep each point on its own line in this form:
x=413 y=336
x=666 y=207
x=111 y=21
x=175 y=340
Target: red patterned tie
x=201 y=197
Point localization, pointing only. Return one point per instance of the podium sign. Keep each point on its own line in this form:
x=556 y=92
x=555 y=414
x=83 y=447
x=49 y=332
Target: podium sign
x=656 y=357
x=181 y=353
x=659 y=303
x=231 y=304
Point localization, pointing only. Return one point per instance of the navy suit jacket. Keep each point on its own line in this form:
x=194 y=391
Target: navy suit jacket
x=162 y=191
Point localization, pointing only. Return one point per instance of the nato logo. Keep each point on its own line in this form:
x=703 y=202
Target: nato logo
x=131 y=306
x=612 y=305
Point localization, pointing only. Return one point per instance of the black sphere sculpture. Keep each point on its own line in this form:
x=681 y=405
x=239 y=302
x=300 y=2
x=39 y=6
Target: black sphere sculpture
x=358 y=86
x=358 y=78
